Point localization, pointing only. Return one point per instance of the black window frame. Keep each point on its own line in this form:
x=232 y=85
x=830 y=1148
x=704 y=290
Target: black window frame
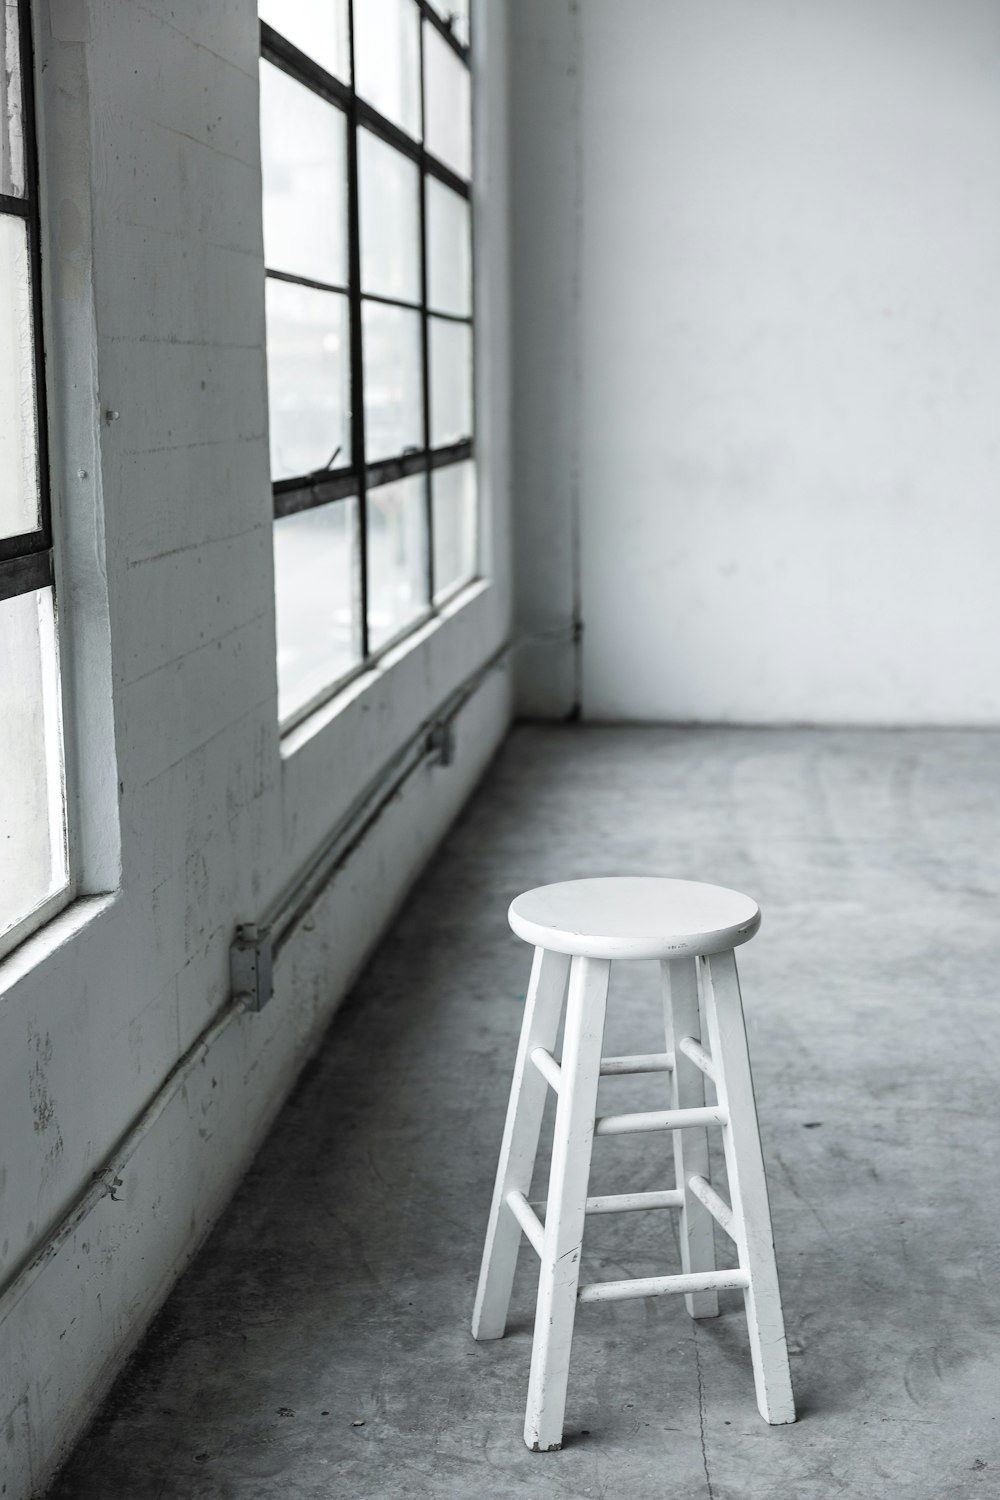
x=26 y=560
x=27 y=563
x=356 y=478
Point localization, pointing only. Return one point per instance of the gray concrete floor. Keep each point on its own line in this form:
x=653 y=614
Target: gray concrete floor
x=336 y=1291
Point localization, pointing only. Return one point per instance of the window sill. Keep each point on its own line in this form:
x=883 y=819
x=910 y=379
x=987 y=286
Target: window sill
x=358 y=685
x=60 y=929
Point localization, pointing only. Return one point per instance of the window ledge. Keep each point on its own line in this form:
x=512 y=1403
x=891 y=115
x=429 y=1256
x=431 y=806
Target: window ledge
x=300 y=734
x=57 y=931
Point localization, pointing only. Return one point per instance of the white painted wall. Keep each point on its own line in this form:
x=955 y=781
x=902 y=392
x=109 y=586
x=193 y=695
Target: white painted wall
x=772 y=261
x=546 y=326
x=192 y=816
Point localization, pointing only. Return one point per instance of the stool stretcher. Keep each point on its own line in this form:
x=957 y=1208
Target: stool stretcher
x=660 y=1119
x=661 y=1286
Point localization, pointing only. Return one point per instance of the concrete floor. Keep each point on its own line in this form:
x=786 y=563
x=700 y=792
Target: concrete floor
x=320 y=1344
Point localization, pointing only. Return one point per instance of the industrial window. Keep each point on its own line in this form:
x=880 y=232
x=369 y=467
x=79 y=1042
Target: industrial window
x=366 y=155
x=33 y=859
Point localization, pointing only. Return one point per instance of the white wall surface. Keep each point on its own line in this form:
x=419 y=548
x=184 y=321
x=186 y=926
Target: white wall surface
x=546 y=328
x=784 y=240
x=192 y=816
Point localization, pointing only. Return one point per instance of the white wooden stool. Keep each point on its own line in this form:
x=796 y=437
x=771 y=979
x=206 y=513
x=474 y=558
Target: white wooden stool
x=577 y=929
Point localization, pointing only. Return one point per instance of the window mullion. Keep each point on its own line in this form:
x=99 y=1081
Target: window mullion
x=25 y=574
x=441 y=25
x=415 y=151
x=424 y=331
x=294 y=280
x=285 y=55
x=357 y=353
x=35 y=261
x=21 y=208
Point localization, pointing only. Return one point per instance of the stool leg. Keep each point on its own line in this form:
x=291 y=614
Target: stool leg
x=539 y=1028
x=680 y=996
x=748 y=1187
x=567 y=1204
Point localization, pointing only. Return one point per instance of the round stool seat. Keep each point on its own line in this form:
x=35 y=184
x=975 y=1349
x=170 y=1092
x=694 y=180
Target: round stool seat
x=634 y=916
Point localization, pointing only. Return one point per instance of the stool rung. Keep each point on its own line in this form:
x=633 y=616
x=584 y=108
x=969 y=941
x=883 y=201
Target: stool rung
x=660 y=1119
x=659 y=1286
x=717 y=1207
x=621 y=1203
x=696 y=1052
x=642 y=1062
x=547 y=1066
x=527 y=1218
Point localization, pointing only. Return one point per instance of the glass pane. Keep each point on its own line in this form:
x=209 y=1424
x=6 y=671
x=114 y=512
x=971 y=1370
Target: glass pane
x=387 y=59
x=451 y=381
x=303 y=151
x=18 y=445
x=394 y=386
x=316 y=597
x=397 y=557
x=32 y=818
x=318 y=27
x=11 y=123
x=456 y=14
x=447 y=105
x=308 y=379
x=453 y=498
x=449 y=250
x=390 y=220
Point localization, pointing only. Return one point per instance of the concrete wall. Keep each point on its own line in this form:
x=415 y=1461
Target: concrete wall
x=756 y=331
x=190 y=815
